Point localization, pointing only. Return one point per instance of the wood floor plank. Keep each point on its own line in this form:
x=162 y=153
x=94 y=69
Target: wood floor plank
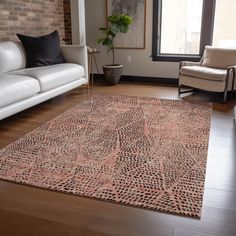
x=219 y=198
x=184 y=232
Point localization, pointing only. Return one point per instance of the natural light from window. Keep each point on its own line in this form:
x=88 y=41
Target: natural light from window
x=225 y=24
x=181 y=26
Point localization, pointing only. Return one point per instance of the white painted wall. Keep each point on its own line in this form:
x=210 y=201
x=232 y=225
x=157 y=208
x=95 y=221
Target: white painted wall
x=142 y=64
x=78 y=22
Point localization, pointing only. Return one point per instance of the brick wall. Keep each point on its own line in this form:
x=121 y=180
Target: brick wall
x=67 y=22
x=34 y=17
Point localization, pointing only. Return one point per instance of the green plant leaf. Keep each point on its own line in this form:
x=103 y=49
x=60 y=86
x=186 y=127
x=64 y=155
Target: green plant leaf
x=108 y=42
x=117 y=23
x=113 y=18
x=100 y=40
x=102 y=29
x=127 y=20
x=115 y=28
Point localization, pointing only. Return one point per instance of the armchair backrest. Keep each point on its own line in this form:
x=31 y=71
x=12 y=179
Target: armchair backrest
x=220 y=58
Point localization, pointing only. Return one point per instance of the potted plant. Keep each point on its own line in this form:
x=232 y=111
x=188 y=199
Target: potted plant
x=117 y=23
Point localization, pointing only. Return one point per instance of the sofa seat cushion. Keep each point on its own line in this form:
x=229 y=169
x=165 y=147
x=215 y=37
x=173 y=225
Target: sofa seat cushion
x=50 y=77
x=204 y=72
x=14 y=88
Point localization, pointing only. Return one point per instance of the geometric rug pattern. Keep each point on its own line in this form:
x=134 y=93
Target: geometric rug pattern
x=138 y=151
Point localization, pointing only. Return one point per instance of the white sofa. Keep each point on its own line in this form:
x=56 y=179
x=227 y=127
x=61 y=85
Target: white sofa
x=21 y=88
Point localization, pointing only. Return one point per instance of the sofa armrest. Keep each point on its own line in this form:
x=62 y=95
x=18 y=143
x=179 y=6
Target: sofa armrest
x=76 y=54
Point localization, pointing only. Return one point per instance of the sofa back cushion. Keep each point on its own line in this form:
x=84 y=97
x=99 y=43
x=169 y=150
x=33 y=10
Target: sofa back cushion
x=12 y=57
x=42 y=51
x=220 y=58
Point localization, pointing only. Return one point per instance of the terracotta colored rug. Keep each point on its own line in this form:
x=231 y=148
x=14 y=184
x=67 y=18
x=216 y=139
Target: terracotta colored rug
x=143 y=152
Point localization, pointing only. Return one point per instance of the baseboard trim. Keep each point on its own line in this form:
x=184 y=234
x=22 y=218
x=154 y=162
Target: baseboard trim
x=142 y=79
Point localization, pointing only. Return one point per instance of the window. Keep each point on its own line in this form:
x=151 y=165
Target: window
x=181 y=28
x=224 y=34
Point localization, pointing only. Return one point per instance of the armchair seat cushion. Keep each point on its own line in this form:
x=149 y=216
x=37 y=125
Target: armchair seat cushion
x=204 y=72
x=50 y=77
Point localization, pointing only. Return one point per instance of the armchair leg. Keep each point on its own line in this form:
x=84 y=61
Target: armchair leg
x=186 y=91
x=225 y=96
x=226 y=86
x=179 y=90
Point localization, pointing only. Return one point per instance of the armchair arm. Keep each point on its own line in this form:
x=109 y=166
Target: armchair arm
x=189 y=63
x=231 y=68
x=76 y=54
x=231 y=71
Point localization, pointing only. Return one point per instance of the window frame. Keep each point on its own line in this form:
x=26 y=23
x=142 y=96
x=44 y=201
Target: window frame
x=206 y=38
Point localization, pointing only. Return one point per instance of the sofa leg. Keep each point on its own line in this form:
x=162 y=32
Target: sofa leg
x=87 y=87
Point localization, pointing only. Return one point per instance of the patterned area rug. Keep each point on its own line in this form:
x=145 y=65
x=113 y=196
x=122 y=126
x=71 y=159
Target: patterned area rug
x=143 y=152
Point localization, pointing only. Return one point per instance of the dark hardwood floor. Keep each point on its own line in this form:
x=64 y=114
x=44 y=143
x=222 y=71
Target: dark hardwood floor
x=30 y=211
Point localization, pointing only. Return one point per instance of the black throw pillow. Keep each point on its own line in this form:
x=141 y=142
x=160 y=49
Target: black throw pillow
x=42 y=51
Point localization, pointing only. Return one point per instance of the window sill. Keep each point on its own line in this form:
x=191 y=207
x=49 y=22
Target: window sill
x=176 y=58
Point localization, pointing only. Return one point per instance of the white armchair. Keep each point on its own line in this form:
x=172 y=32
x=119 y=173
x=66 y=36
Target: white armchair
x=215 y=72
